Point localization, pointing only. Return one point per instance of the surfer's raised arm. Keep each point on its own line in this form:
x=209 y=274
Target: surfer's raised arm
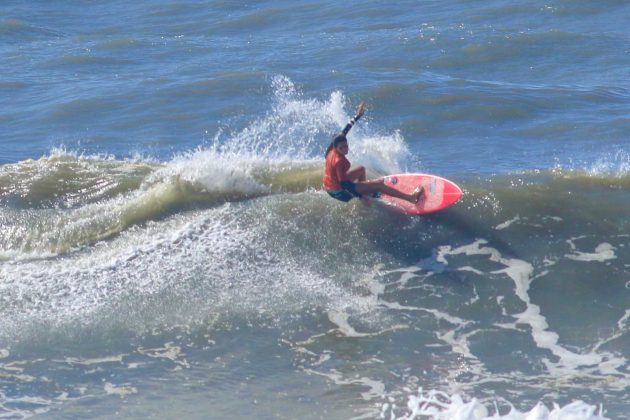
x=360 y=112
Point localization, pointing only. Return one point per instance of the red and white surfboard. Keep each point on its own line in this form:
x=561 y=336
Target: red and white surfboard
x=439 y=193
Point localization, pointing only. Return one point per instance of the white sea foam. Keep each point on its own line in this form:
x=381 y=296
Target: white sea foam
x=169 y=351
x=603 y=252
x=341 y=320
x=521 y=274
x=507 y=223
x=120 y=390
x=590 y=365
x=94 y=361
x=215 y=172
x=219 y=258
x=376 y=389
x=441 y=406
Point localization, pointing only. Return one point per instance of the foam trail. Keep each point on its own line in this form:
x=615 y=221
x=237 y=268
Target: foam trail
x=603 y=252
x=459 y=344
x=521 y=274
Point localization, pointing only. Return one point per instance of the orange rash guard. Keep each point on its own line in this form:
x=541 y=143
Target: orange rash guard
x=335 y=170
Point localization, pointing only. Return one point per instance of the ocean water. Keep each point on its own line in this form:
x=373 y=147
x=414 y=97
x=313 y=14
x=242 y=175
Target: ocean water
x=166 y=250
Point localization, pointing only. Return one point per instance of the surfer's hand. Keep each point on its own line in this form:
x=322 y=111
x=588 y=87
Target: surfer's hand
x=361 y=109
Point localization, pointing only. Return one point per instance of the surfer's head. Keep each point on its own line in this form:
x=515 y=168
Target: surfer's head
x=340 y=143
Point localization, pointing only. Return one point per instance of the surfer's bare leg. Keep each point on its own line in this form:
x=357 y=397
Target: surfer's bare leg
x=378 y=185
x=356 y=174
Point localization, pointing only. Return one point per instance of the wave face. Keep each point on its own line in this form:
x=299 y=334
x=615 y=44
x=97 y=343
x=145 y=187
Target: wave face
x=132 y=267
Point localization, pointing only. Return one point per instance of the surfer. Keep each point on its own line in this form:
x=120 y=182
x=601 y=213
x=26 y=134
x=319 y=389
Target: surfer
x=344 y=183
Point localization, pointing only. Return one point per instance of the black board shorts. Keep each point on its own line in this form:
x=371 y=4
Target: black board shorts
x=347 y=193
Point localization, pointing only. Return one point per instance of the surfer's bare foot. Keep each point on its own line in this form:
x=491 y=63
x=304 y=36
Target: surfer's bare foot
x=366 y=201
x=418 y=193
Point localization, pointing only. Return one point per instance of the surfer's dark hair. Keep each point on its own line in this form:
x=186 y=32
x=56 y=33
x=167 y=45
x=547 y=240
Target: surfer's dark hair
x=338 y=139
